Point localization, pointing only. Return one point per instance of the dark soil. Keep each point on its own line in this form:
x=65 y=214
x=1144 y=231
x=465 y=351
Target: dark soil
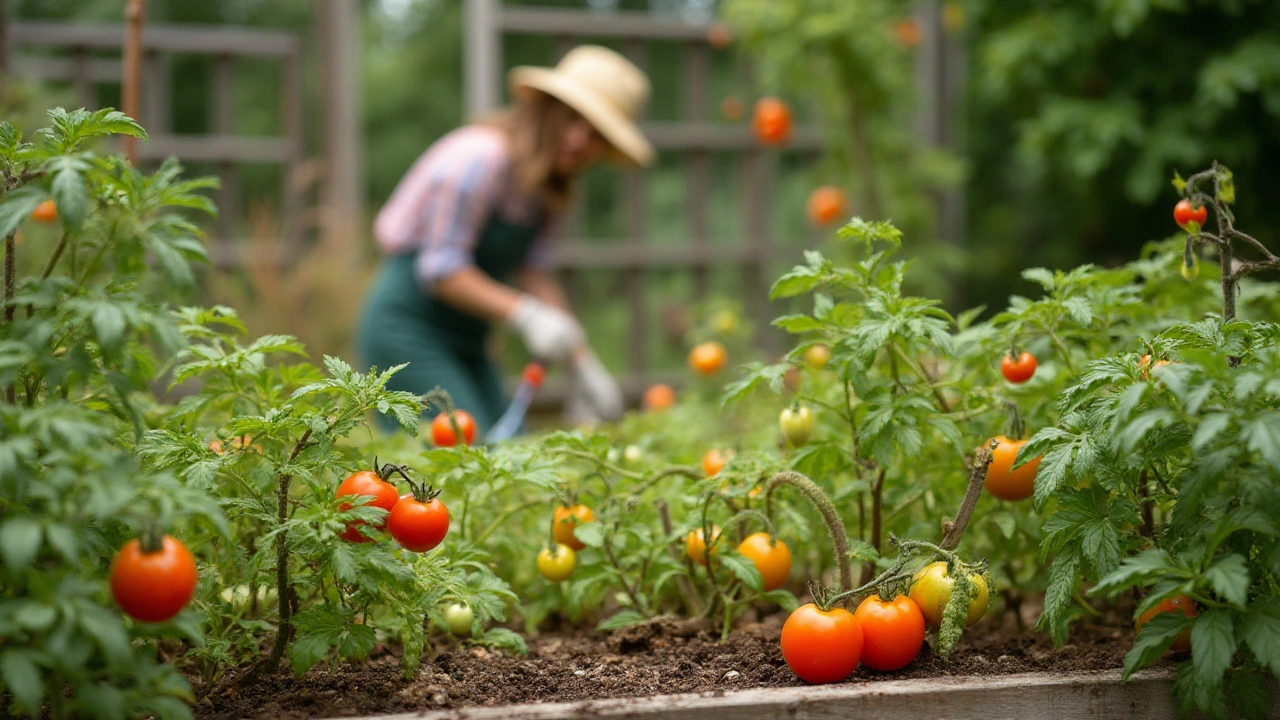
x=661 y=657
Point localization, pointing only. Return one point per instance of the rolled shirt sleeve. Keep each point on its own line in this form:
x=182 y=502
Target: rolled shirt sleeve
x=443 y=202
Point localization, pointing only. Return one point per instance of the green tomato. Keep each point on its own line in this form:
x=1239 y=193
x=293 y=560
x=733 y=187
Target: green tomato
x=459 y=617
x=797 y=425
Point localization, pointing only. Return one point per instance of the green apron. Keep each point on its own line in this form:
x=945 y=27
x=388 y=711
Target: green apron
x=444 y=347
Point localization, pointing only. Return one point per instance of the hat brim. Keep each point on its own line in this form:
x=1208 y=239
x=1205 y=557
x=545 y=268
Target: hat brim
x=623 y=135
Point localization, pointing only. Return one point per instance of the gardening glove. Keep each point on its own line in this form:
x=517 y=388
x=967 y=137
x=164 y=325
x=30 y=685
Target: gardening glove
x=594 y=387
x=549 y=332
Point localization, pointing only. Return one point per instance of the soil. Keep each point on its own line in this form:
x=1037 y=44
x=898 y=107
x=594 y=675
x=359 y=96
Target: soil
x=660 y=657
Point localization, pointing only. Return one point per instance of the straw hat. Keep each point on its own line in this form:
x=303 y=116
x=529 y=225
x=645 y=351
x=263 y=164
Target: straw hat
x=606 y=88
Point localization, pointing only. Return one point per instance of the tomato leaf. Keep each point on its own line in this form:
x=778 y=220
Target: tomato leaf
x=22 y=678
x=1153 y=640
x=621 y=619
x=19 y=542
x=744 y=570
x=589 y=534
x=1229 y=577
x=1260 y=629
x=503 y=639
x=1213 y=643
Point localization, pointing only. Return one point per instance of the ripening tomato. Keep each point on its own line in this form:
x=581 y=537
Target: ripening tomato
x=1145 y=362
x=442 y=433
x=367 y=482
x=725 y=322
x=772 y=558
x=907 y=32
x=821 y=646
x=772 y=121
x=566 y=519
x=1184 y=214
x=459 y=617
x=931 y=590
x=45 y=212
x=418 y=526
x=659 y=397
x=1004 y=482
x=817 y=356
x=892 y=632
x=826 y=205
x=707 y=358
x=557 y=565
x=534 y=373
x=713 y=462
x=1018 y=370
x=796 y=425
x=1177 y=603
x=153 y=586
x=696 y=547
x=719 y=36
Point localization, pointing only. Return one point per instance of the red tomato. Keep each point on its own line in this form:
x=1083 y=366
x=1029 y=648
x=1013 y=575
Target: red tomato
x=821 y=646
x=772 y=558
x=1183 y=213
x=533 y=374
x=442 y=433
x=892 y=632
x=1018 y=370
x=155 y=586
x=1004 y=482
x=366 y=482
x=418 y=526
x=772 y=121
x=1177 y=603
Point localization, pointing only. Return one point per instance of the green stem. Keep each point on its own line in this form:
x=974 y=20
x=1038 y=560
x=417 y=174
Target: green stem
x=502 y=519
x=825 y=508
x=1062 y=350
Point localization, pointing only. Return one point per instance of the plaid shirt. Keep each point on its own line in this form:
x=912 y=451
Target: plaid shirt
x=442 y=204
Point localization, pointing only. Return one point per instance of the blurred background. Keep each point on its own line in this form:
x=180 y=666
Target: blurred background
x=997 y=135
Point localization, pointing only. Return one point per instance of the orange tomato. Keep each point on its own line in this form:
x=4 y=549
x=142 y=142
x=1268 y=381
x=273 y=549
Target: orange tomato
x=695 y=546
x=566 y=519
x=826 y=205
x=772 y=121
x=821 y=646
x=907 y=32
x=442 y=433
x=708 y=358
x=892 y=632
x=1004 y=482
x=719 y=36
x=771 y=557
x=713 y=462
x=1178 y=603
x=817 y=356
x=659 y=397
x=45 y=212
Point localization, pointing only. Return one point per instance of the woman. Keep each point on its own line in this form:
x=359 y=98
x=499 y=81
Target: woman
x=466 y=237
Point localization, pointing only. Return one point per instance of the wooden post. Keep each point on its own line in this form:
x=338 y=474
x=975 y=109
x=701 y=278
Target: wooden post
x=130 y=89
x=224 y=89
x=934 y=124
x=637 y=229
x=483 y=57
x=699 y=161
x=4 y=37
x=339 y=25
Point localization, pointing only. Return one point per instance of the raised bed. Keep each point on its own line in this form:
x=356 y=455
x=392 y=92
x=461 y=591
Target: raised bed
x=1097 y=695
x=674 y=670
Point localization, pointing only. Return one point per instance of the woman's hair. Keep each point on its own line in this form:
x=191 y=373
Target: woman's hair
x=534 y=126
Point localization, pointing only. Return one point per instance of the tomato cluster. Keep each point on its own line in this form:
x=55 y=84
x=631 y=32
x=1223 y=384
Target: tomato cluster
x=418 y=520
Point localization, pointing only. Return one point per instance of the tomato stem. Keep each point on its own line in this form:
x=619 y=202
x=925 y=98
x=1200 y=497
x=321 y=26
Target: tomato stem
x=816 y=497
x=955 y=528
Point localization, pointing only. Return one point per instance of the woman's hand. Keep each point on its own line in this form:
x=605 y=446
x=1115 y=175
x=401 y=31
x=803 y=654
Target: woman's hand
x=550 y=333
x=593 y=394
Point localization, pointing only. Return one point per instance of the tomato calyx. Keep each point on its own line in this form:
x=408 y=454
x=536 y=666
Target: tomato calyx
x=151 y=539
